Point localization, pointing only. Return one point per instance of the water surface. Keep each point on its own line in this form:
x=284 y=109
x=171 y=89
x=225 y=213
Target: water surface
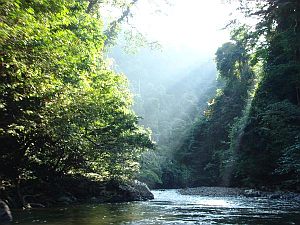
x=170 y=207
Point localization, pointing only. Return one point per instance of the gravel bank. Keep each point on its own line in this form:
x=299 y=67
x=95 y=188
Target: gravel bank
x=227 y=192
x=212 y=191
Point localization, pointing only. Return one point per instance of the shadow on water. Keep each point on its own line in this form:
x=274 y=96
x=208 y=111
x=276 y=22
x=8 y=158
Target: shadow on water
x=170 y=207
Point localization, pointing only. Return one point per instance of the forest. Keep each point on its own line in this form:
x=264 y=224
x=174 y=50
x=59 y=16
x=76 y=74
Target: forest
x=68 y=117
x=248 y=135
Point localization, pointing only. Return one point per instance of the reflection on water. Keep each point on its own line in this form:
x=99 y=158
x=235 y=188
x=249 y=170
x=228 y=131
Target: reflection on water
x=170 y=207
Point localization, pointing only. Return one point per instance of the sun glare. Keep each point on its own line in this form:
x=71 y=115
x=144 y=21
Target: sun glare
x=194 y=24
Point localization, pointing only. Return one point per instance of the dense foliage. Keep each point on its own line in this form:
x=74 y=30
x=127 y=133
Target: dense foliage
x=269 y=149
x=62 y=110
x=249 y=135
x=204 y=151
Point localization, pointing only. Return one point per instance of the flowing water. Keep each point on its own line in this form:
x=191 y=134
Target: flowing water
x=170 y=207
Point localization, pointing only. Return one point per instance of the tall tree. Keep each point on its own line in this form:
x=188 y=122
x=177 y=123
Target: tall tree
x=61 y=108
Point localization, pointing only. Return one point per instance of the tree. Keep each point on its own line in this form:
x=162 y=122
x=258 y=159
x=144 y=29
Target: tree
x=61 y=108
x=227 y=57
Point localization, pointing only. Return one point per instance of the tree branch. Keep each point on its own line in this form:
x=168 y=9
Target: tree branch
x=91 y=5
x=111 y=31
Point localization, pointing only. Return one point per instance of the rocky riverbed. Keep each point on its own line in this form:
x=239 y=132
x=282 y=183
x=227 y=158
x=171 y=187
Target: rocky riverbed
x=227 y=192
x=212 y=191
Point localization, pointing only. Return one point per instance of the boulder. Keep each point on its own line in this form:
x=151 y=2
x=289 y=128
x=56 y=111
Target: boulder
x=142 y=191
x=252 y=193
x=125 y=192
x=275 y=196
x=5 y=214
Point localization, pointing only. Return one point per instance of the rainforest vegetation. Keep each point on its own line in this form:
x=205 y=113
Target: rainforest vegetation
x=64 y=112
x=249 y=133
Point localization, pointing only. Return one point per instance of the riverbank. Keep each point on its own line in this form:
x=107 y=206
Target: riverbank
x=233 y=192
x=169 y=207
x=72 y=190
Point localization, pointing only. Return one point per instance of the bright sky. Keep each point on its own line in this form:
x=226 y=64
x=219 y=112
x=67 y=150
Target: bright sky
x=185 y=24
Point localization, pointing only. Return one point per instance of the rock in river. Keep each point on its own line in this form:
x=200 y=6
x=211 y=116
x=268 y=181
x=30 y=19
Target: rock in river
x=252 y=193
x=5 y=214
x=142 y=192
x=125 y=192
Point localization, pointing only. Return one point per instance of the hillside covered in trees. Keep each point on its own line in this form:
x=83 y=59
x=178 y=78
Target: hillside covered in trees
x=170 y=98
x=249 y=134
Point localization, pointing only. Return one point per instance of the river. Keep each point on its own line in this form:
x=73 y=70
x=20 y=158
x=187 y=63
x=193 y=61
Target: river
x=170 y=207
